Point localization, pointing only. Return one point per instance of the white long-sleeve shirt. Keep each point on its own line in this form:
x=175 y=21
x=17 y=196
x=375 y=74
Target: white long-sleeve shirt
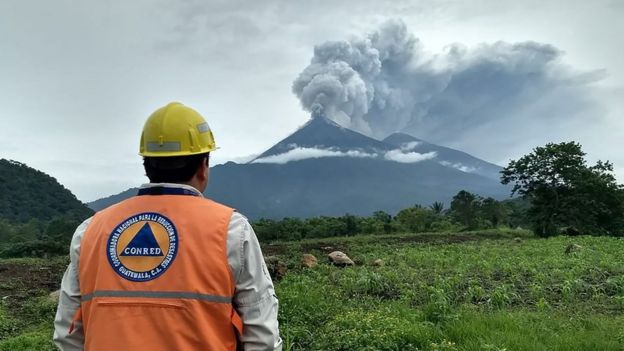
x=254 y=298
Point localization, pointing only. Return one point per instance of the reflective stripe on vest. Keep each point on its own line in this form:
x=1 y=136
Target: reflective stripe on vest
x=157 y=295
x=154 y=275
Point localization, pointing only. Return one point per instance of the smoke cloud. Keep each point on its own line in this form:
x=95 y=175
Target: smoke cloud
x=386 y=82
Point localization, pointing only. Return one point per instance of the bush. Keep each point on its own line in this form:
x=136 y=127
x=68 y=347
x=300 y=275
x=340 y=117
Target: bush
x=35 y=248
x=8 y=325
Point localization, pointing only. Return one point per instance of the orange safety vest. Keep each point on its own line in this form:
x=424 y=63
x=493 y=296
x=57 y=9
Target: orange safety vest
x=154 y=275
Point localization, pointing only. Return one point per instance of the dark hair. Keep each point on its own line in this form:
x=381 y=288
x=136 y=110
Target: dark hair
x=176 y=169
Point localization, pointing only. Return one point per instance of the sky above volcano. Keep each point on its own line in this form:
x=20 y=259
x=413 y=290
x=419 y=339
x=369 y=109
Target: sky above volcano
x=491 y=78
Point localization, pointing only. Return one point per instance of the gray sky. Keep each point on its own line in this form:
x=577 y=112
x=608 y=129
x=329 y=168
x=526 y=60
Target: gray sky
x=78 y=79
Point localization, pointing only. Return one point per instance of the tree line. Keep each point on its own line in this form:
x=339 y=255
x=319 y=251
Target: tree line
x=37 y=238
x=467 y=211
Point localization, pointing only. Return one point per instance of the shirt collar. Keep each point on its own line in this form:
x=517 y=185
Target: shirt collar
x=172 y=185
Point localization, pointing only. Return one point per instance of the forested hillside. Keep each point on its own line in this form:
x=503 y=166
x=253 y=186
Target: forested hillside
x=26 y=193
x=37 y=214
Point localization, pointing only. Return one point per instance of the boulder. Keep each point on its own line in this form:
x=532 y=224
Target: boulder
x=378 y=262
x=277 y=269
x=573 y=248
x=340 y=259
x=308 y=261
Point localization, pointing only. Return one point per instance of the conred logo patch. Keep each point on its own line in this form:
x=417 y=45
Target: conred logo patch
x=142 y=247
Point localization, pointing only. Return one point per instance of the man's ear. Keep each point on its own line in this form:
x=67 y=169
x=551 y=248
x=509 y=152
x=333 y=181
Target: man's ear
x=202 y=170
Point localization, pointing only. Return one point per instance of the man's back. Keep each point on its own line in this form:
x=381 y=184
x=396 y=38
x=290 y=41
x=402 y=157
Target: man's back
x=170 y=286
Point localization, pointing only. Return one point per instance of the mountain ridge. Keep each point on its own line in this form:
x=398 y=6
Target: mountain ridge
x=325 y=169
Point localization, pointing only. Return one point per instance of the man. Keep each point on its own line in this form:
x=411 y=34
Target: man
x=168 y=269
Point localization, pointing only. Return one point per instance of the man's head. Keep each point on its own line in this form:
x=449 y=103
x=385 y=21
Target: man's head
x=175 y=144
x=192 y=170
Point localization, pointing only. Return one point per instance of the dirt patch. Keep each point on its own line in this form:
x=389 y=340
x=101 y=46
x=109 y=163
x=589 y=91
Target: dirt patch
x=274 y=249
x=434 y=238
x=324 y=247
x=21 y=281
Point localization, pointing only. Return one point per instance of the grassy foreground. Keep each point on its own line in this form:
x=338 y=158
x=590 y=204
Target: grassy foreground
x=474 y=291
x=502 y=294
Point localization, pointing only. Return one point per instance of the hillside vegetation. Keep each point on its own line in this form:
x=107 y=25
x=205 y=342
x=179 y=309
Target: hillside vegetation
x=37 y=214
x=26 y=194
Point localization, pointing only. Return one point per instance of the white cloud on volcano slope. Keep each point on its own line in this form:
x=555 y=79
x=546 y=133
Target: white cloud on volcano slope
x=303 y=153
x=408 y=157
x=459 y=166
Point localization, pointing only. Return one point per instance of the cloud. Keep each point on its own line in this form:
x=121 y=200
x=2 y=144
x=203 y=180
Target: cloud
x=408 y=157
x=218 y=159
x=303 y=153
x=410 y=145
x=459 y=166
x=296 y=153
x=385 y=82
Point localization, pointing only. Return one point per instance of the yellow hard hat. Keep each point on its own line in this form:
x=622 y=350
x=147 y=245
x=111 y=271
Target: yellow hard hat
x=176 y=130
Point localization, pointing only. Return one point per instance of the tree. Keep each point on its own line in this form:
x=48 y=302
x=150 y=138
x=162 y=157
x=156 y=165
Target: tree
x=350 y=224
x=564 y=191
x=385 y=219
x=416 y=219
x=437 y=207
x=464 y=209
x=493 y=211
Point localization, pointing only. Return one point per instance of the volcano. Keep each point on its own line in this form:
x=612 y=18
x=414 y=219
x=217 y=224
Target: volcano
x=326 y=169
x=323 y=133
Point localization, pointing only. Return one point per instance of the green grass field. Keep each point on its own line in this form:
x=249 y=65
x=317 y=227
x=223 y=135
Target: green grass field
x=496 y=290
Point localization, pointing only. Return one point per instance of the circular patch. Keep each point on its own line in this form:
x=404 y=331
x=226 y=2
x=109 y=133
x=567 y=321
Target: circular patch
x=142 y=247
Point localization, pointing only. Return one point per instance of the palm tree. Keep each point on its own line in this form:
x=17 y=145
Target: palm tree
x=437 y=207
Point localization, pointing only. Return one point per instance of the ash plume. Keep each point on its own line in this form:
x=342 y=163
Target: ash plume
x=386 y=82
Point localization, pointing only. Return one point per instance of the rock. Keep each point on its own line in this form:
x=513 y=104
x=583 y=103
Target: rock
x=55 y=295
x=277 y=269
x=573 y=248
x=339 y=258
x=308 y=260
x=378 y=262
